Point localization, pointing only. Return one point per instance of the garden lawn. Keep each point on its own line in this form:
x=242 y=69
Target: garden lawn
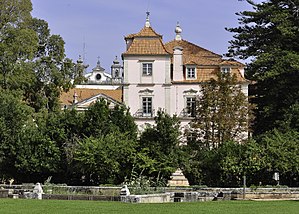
x=23 y=206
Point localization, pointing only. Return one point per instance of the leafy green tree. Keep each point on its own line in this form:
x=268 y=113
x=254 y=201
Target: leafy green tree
x=252 y=163
x=160 y=143
x=229 y=158
x=268 y=36
x=33 y=73
x=37 y=156
x=222 y=121
x=31 y=59
x=13 y=116
x=96 y=120
x=100 y=120
x=71 y=129
x=122 y=120
x=18 y=42
x=219 y=166
x=281 y=154
x=222 y=114
x=27 y=153
x=65 y=129
x=105 y=159
x=53 y=72
x=200 y=167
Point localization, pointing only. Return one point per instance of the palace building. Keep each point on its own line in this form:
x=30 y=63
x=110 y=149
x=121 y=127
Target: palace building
x=155 y=76
x=168 y=76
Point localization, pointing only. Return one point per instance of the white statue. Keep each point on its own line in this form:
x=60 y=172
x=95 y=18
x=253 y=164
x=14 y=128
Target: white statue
x=38 y=190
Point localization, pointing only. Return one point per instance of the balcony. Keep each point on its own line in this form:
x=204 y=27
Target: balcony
x=141 y=114
x=187 y=112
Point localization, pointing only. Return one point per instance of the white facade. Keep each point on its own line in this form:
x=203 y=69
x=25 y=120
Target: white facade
x=155 y=86
x=168 y=76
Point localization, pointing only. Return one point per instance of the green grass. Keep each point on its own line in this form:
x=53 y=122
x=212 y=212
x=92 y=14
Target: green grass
x=15 y=206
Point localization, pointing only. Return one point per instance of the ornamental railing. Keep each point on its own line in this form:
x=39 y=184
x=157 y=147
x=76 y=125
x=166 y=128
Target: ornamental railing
x=187 y=112
x=141 y=114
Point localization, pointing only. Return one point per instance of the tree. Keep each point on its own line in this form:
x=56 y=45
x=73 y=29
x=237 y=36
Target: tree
x=34 y=136
x=31 y=59
x=18 y=42
x=97 y=125
x=105 y=159
x=222 y=113
x=281 y=154
x=123 y=121
x=13 y=116
x=160 y=143
x=27 y=153
x=53 y=72
x=221 y=123
x=37 y=156
x=268 y=36
x=100 y=120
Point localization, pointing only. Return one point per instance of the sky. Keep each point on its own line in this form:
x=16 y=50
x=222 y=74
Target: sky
x=96 y=28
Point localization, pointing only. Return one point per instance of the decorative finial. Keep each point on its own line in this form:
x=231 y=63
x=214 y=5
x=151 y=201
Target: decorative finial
x=178 y=31
x=80 y=61
x=115 y=61
x=147 y=22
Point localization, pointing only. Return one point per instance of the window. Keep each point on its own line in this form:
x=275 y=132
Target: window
x=98 y=77
x=191 y=106
x=147 y=106
x=191 y=73
x=116 y=73
x=225 y=69
x=147 y=69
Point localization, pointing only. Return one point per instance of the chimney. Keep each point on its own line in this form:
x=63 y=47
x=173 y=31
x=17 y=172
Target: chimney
x=178 y=64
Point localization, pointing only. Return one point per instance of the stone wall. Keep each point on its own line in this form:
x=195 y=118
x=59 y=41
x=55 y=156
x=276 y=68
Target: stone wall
x=151 y=198
x=3 y=193
x=63 y=189
x=171 y=194
x=81 y=197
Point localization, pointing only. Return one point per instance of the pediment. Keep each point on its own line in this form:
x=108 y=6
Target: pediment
x=190 y=91
x=84 y=104
x=146 y=91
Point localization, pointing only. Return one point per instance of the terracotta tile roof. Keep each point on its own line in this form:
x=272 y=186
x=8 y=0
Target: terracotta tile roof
x=146 y=47
x=146 y=42
x=206 y=74
x=193 y=53
x=231 y=63
x=130 y=36
x=66 y=98
x=208 y=61
x=144 y=32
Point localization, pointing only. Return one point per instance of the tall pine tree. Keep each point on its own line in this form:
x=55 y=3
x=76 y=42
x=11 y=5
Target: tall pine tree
x=268 y=36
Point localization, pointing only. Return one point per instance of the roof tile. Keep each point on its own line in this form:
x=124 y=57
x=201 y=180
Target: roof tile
x=146 y=47
x=67 y=98
x=144 y=32
x=194 y=53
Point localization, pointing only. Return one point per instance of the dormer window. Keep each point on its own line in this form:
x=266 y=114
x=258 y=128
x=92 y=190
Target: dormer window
x=190 y=72
x=225 y=70
x=147 y=69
